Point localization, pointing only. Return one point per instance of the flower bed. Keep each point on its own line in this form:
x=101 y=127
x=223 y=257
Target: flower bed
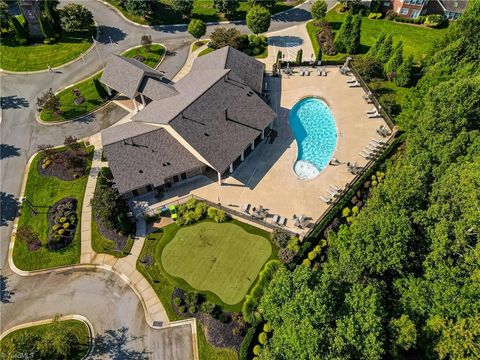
x=62 y=221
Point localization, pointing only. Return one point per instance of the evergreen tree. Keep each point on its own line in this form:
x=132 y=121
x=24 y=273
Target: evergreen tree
x=21 y=33
x=353 y=44
x=138 y=7
x=47 y=29
x=373 y=52
x=4 y=15
x=343 y=35
x=258 y=19
x=51 y=12
x=226 y=6
x=184 y=7
x=405 y=72
x=395 y=61
x=386 y=50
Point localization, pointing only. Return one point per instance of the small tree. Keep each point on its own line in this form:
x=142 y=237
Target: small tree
x=76 y=17
x=286 y=255
x=353 y=44
x=26 y=235
x=385 y=50
x=269 y=4
x=298 y=59
x=221 y=37
x=47 y=29
x=395 y=61
x=146 y=42
x=49 y=101
x=369 y=68
x=343 y=35
x=55 y=343
x=138 y=7
x=319 y=9
x=21 y=33
x=71 y=142
x=51 y=12
x=226 y=6
x=405 y=73
x=197 y=28
x=258 y=19
x=373 y=51
x=318 y=56
x=184 y=7
x=4 y=16
x=207 y=307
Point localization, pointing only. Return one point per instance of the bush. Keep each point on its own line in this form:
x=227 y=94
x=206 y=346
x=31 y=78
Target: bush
x=55 y=227
x=61 y=231
x=312 y=255
x=375 y=15
x=191 y=298
x=21 y=32
x=192 y=309
x=197 y=28
x=262 y=338
x=66 y=225
x=249 y=309
x=346 y=212
x=306 y=262
x=207 y=308
x=257 y=349
x=319 y=9
x=267 y=328
x=298 y=59
x=280 y=238
x=62 y=219
x=246 y=342
x=216 y=215
x=369 y=68
x=182 y=309
x=434 y=20
x=286 y=255
x=177 y=301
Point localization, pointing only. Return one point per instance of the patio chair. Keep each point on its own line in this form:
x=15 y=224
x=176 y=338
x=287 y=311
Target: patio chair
x=326 y=200
x=336 y=188
x=351 y=80
x=275 y=219
x=372 y=111
x=324 y=72
x=306 y=72
x=333 y=192
x=319 y=72
x=374 y=115
x=245 y=208
x=381 y=142
x=282 y=221
x=355 y=84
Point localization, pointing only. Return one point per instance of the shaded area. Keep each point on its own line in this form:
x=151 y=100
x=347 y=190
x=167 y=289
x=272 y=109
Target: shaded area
x=7 y=151
x=13 y=102
x=108 y=33
x=5 y=292
x=115 y=345
x=8 y=207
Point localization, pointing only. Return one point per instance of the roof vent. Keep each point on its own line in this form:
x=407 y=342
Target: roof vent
x=206 y=134
x=140 y=171
x=164 y=164
x=168 y=163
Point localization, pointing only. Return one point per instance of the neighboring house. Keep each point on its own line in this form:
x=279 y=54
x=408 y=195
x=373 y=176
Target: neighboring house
x=206 y=123
x=452 y=9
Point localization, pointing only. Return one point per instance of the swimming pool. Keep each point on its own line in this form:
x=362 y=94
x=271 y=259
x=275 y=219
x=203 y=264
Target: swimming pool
x=314 y=128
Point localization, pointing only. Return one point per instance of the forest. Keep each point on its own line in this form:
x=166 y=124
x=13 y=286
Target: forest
x=403 y=280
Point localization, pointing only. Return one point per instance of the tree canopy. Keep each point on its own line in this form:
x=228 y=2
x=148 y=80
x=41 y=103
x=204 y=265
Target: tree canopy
x=197 y=28
x=319 y=9
x=258 y=19
x=76 y=17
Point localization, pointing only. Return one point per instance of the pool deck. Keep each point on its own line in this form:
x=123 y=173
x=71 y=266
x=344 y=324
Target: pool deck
x=266 y=177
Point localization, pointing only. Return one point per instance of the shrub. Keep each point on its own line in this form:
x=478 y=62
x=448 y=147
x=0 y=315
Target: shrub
x=177 y=301
x=55 y=227
x=207 y=307
x=257 y=349
x=434 y=20
x=280 y=238
x=298 y=59
x=191 y=298
x=346 y=212
x=192 y=309
x=61 y=231
x=197 y=28
x=26 y=234
x=262 y=338
x=306 y=262
x=224 y=318
x=216 y=215
x=66 y=225
x=267 y=327
x=245 y=346
x=21 y=32
x=62 y=219
x=319 y=9
x=249 y=308
x=323 y=243
x=355 y=210
x=286 y=255
x=375 y=15
x=181 y=309
x=293 y=244
x=312 y=255
x=317 y=249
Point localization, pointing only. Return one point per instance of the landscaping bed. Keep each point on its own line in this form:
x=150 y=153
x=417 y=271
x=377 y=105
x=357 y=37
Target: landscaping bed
x=43 y=192
x=150 y=58
x=25 y=342
x=64 y=165
x=62 y=221
x=16 y=57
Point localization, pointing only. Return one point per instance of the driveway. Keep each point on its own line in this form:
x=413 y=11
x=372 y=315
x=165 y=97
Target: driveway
x=109 y=303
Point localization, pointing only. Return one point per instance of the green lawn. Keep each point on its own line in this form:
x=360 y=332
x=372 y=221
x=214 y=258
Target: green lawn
x=75 y=327
x=417 y=40
x=221 y=258
x=205 y=51
x=14 y=57
x=101 y=244
x=43 y=192
x=89 y=92
x=152 y=58
x=198 y=44
x=163 y=14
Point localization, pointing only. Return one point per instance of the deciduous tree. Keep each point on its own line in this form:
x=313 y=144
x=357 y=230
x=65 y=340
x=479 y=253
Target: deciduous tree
x=76 y=17
x=197 y=28
x=258 y=19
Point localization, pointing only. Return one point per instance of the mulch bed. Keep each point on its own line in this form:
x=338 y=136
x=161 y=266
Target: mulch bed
x=217 y=333
x=119 y=239
x=65 y=165
x=56 y=212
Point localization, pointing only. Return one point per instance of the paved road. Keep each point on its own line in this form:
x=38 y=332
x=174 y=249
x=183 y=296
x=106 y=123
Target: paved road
x=113 y=308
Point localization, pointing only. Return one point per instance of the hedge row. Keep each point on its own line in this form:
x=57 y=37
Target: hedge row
x=249 y=308
x=246 y=342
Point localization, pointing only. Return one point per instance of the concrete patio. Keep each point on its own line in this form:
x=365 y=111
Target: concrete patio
x=266 y=177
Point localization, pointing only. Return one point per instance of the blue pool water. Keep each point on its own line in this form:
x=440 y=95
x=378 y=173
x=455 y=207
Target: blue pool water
x=313 y=126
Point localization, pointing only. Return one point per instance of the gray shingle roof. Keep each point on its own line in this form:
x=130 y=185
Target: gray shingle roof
x=124 y=131
x=148 y=159
x=246 y=67
x=125 y=74
x=457 y=6
x=156 y=89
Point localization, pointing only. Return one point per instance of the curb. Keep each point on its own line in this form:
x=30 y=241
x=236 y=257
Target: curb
x=50 y=123
x=60 y=66
x=88 y=324
x=210 y=23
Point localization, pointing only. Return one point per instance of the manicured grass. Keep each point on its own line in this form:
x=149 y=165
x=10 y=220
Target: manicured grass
x=43 y=192
x=198 y=44
x=101 y=244
x=263 y=54
x=75 y=327
x=14 y=57
x=221 y=258
x=417 y=40
x=87 y=89
x=163 y=14
x=152 y=58
x=205 y=51
x=69 y=109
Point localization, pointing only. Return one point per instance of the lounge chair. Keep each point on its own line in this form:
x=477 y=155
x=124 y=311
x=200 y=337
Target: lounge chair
x=372 y=148
x=377 y=145
x=336 y=188
x=275 y=219
x=324 y=72
x=333 y=192
x=301 y=72
x=351 y=80
x=245 y=208
x=306 y=72
x=282 y=221
x=380 y=142
x=383 y=131
x=372 y=111
x=368 y=157
x=374 y=115
x=319 y=72
x=355 y=84
x=325 y=199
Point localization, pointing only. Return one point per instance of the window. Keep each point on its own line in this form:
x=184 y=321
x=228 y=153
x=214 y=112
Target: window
x=415 y=14
x=403 y=11
x=386 y=3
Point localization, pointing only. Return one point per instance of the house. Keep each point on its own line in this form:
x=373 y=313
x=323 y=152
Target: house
x=451 y=9
x=206 y=123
